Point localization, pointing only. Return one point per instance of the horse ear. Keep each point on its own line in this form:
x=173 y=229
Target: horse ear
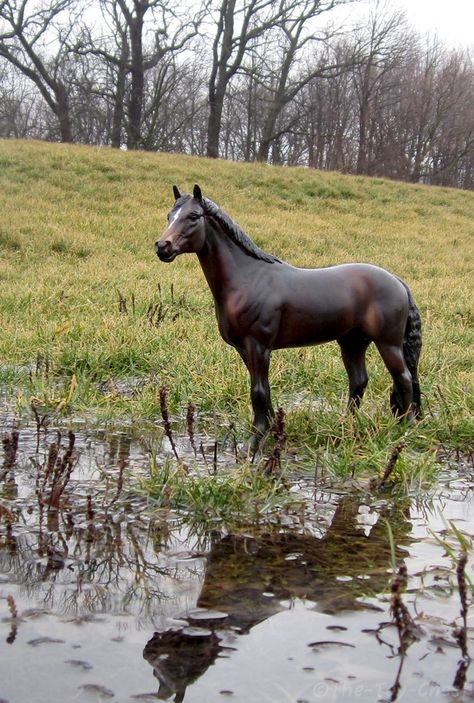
x=176 y=192
x=197 y=193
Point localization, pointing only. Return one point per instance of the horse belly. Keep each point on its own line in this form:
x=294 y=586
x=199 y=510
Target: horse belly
x=301 y=327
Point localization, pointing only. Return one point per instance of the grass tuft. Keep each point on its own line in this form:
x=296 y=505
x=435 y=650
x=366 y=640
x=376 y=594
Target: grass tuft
x=238 y=496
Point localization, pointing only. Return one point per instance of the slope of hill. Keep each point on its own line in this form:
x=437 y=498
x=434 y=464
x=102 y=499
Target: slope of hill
x=80 y=284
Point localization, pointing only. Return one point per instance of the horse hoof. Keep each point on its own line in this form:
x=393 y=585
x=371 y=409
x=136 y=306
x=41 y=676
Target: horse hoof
x=251 y=449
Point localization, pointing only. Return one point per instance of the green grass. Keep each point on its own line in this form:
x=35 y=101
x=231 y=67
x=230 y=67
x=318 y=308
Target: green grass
x=241 y=495
x=80 y=285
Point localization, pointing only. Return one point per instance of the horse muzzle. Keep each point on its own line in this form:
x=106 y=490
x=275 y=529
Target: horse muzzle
x=165 y=251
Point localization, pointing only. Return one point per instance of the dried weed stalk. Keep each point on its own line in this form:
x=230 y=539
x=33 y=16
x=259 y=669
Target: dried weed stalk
x=166 y=421
x=190 y=414
x=461 y=632
x=53 y=478
x=406 y=627
x=14 y=619
x=279 y=432
x=391 y=463
x=10 y=449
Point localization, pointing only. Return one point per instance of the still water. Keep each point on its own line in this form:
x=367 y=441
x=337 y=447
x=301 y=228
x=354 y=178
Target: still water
x=110 y=599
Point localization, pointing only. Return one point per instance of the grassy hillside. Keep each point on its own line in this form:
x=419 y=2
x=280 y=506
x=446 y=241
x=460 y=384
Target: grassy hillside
x=80 y=286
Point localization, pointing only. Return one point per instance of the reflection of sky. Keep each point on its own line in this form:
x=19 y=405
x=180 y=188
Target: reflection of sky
x=427 y=557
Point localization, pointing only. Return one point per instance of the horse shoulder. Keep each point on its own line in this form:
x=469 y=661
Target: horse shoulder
x=251 y=309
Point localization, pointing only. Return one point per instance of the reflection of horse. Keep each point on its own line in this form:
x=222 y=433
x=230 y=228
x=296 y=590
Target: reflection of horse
x=248 y=578
x=179 y=658
x=263 y=304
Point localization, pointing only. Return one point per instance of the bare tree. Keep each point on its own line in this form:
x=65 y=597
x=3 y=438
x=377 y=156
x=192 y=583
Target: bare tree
x=296 y=38
x=384 y=42
x=239 y=23
x=34 y=41
x=453 y=146
x=145 y=33
x=173 y=116
x=326 y=110
x=18 y=106
x=277 y=88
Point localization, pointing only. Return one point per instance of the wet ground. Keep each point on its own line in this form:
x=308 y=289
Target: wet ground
x=105 y=598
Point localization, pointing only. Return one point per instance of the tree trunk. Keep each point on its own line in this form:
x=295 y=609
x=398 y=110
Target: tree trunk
x=221 y=74
x=268 y=133
x=137 y=83
x=118 y=114
x=216 y=105
x=63 y=114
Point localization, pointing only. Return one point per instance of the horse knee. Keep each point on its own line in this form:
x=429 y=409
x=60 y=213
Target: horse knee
x=362 y=383
x=353 y=350
x=403 y=380
x=416 y=400
x=262 y=406
x=259 y=395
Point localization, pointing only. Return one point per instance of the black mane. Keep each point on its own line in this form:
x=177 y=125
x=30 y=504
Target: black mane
x=236 y=233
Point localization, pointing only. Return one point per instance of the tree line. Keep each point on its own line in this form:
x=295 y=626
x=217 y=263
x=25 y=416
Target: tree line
x=277 y=81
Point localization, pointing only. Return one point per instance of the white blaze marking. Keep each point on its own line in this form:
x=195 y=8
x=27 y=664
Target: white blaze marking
x=174 y=218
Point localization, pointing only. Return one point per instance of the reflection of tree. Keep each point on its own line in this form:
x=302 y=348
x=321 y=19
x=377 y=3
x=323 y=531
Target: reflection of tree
x=119 y=448
x=248 y=577
x=82 y=547
x=100 y=570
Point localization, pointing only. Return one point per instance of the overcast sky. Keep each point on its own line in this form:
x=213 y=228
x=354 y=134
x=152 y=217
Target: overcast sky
x=451 y=20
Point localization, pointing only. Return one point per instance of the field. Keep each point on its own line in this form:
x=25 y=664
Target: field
x=92 y=324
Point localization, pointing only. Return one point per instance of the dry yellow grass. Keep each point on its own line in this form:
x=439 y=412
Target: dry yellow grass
x=77 y=227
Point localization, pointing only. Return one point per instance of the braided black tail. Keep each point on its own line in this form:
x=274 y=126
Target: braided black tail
x=412 y=349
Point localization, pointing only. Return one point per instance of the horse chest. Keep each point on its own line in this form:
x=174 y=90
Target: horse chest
x=240 y=316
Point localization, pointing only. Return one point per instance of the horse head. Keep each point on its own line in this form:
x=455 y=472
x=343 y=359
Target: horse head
x=185 y=232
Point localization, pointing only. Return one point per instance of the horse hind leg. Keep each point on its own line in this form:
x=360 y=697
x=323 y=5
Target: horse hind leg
x=353 y=357
x=401 y=397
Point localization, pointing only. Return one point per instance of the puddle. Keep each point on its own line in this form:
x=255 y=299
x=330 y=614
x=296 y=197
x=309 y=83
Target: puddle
x=107 y=600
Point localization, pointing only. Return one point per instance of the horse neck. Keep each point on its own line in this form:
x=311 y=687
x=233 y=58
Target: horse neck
x=224 y=263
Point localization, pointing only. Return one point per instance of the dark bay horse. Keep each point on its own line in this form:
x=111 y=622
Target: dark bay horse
x=263 y=303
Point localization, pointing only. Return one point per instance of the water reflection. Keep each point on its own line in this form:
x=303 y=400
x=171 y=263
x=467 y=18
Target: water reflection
x=75 y=539
x=249 y=579
x=89 y=551
x=179 y=658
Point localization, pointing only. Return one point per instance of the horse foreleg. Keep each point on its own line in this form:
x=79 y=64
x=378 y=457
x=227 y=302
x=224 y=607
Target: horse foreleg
x=257 y=360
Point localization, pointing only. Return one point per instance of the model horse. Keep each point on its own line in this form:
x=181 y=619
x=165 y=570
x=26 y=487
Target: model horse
x=263 y=303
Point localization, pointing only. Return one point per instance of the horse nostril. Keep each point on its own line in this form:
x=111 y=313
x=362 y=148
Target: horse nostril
x=162 y=247
x=165 y=250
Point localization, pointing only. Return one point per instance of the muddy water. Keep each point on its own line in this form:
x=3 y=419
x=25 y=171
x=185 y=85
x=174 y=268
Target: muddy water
x=106 y=599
